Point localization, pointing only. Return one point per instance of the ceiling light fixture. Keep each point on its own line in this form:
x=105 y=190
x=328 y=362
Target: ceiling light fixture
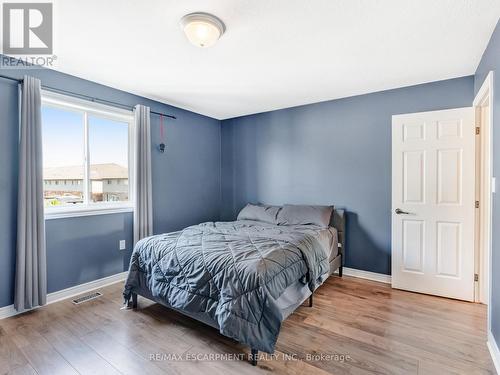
x=202 y=29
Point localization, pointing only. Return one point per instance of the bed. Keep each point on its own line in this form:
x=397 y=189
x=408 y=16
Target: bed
x=243 y=277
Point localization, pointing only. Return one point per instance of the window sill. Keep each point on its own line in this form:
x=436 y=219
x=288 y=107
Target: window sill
x=60 y=214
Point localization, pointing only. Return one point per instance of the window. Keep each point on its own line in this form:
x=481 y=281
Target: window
x=86 y=146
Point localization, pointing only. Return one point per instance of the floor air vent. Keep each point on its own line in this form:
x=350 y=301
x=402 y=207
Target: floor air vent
x=86 y=298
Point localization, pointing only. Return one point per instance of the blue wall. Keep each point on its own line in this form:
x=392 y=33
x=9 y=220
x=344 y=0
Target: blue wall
x=491 y=62
x=332 y=152
x=186 y=189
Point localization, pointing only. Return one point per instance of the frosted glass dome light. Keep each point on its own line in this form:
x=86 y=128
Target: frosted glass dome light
x=202 y=29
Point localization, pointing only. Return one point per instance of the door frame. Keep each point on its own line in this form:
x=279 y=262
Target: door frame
x=484 y=190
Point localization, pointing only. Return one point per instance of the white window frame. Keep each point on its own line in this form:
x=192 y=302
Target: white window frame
x=86 y=108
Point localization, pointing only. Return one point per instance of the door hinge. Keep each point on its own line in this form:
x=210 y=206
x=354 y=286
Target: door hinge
x=476 y=277
x=477 y=130
x=477 y=204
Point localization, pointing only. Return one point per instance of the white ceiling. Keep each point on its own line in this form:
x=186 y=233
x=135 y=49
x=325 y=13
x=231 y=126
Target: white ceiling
x=275 y=53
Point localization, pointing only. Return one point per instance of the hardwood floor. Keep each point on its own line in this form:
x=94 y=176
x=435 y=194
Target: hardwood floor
x=359 y=326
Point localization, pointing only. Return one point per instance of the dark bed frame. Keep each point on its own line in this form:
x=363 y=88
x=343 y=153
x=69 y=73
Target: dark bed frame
x=338 y=222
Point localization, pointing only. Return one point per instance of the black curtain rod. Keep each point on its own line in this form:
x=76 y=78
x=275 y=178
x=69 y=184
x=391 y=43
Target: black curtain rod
x=91 y=98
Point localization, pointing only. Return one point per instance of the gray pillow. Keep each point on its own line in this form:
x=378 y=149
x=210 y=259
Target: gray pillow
x=297 y=215
x=266 y=214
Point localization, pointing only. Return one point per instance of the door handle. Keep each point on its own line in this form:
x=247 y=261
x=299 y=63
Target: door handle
x=401 y=212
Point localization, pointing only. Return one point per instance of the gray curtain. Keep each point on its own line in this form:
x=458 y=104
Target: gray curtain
x=31 y=270
x=143 y=213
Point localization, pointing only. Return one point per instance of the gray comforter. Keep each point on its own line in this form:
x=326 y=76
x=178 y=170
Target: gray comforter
x=230 y=272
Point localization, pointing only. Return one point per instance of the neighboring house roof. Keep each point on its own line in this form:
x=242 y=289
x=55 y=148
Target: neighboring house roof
x=75 y=172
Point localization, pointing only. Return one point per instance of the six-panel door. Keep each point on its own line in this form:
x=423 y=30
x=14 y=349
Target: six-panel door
x=433 y=202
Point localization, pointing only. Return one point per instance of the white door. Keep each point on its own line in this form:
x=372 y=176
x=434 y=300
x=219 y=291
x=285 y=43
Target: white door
x=433 y=202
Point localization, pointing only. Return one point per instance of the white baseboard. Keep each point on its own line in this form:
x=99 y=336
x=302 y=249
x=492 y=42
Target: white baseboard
x=7 y=311
x=495 y=353
x=380 y=277
x=60 y=295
